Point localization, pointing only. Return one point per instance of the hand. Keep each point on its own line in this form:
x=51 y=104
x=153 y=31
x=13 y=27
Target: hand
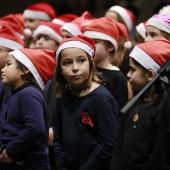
x=5 y=158
x=51 y=134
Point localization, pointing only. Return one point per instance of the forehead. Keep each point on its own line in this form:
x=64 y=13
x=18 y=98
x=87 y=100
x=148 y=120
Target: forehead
x=72 y=52
x=151 y=28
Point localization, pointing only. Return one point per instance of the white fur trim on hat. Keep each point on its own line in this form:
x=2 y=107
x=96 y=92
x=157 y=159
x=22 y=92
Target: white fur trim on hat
x=144 y=59
x=36 y=15
x=18 y=55
x=10 y=44
x=45 y=30
x=58 y=21
x=102 y=36
x=141 y=30
x=158 y=23
x=124 y=14
x=75 y=44
x=71 y=28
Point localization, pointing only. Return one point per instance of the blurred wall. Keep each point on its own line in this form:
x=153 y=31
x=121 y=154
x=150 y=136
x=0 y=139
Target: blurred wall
x=143 y=9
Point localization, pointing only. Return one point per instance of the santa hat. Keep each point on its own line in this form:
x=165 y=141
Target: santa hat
x=107 y=29
x=41 y=11
x=9 y=39
x=41 y=63
x=127 y=15
x=15 y=21
x=141 y=29
x=76 y=27
x=80 y=41
x=50 y=29
x=165 y=10
x=152 y=54
x=162 y=22
x=62 y=19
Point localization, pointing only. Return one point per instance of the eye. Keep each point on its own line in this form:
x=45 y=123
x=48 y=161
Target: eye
x=132 y=69
x=66 y=62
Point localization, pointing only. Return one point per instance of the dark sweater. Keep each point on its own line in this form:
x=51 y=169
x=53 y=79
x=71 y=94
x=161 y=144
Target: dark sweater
x=85 y=131
x=143 y=147
x=116 y=83
x=24 y=128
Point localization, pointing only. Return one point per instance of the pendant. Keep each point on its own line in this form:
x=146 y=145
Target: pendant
x=135 y=118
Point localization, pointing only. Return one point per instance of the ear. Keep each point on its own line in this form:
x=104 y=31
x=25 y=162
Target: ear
x=150 y=75
x=26 y=71
x=110 y=49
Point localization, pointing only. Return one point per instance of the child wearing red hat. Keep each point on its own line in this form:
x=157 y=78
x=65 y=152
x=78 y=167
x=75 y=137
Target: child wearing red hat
x=107 y=43
x=86 y=118
x=24 y=120
x=141 y=141
x=47 y=36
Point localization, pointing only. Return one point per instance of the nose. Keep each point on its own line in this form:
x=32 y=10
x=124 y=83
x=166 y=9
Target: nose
x=40 y=40
x=128 y=75
x=75 y=67
x=148 y=38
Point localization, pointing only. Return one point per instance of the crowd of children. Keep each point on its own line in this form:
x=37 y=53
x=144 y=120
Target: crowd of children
x=64 y=80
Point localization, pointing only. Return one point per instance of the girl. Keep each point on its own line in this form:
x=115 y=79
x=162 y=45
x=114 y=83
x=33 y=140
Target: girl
x=107 y=42
x=24 y=128
x=47 y=36
x=141 y=138
x=158 y=26
x=86 y=118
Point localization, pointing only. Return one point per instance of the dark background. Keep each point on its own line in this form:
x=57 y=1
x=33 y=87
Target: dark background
x=143 y=9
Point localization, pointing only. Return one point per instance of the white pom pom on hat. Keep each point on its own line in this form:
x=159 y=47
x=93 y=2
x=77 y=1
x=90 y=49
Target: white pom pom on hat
x=28 y=32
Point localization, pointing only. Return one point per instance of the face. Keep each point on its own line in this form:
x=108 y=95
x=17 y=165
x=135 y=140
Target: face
x=10 y=74
x=3 y=56
x=101 y=52
x=152 y=33
x=45 y=42
x=138 y=78
x=75 y=66
x=66 y=34
x=112 y=15
x=32 y=24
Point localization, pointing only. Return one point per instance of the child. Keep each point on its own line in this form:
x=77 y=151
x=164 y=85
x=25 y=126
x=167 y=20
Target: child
x=86 y=118
x=24 y=128
x=141 y=143
x=47 y=36
x=158 y=26
x=107 y=42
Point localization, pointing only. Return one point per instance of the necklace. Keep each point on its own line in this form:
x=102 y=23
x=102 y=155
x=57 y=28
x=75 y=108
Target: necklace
x=137 y=113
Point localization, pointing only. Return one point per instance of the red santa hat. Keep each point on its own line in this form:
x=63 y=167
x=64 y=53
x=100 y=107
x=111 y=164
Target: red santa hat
x=9 y=39
x=50 y=29
x=77 y=26
x=162 y=22
x=41 y=11
x=62 y=19
x=41 y=63
x=152 y=54
x=141 y=29
x=15 y=21
x=80 y=41
x=102 y=28
x=127 y=15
